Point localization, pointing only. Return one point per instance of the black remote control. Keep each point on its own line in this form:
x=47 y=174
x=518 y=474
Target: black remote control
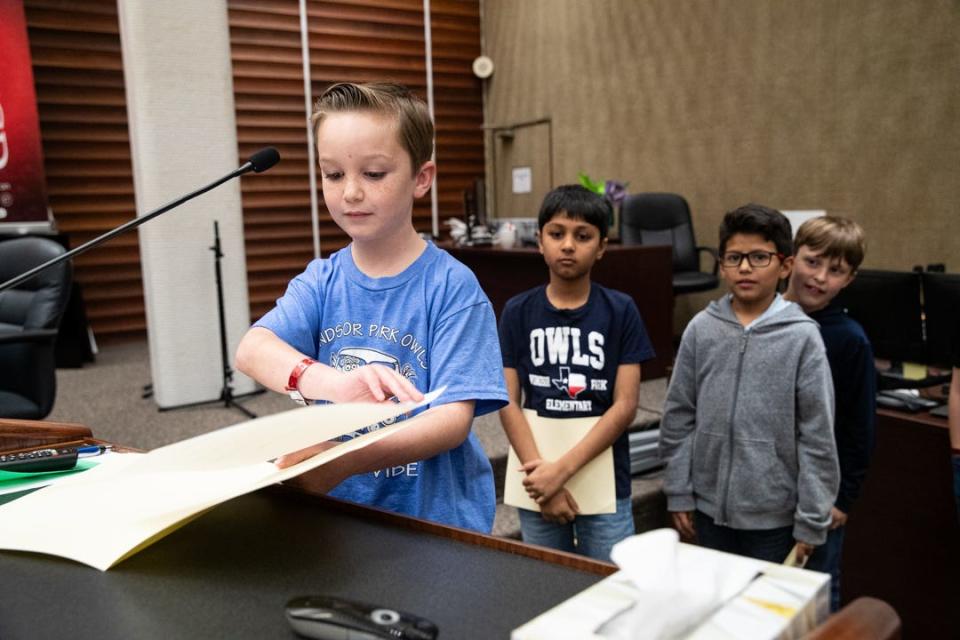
x=330 y=618
x=39 y=460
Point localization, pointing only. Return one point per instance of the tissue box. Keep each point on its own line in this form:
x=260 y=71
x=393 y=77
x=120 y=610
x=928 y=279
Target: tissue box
x=781 y=602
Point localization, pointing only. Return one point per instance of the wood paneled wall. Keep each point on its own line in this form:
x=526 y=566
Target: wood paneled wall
x=852 y=107
x=78 y=71
x=79 y=77
x=357 y=41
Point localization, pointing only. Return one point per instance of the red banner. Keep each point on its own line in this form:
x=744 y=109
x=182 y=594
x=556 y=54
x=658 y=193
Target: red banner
x=23 y=193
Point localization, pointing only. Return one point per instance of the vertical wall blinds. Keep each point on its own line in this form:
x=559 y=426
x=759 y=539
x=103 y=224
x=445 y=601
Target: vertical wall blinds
x=79 y=77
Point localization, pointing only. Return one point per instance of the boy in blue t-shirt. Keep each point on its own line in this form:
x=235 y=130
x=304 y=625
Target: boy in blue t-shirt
x=574 y=348
x=389 y=316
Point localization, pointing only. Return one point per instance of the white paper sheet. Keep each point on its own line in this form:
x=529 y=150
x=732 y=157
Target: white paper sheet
x=107 y=513
x=593 y=487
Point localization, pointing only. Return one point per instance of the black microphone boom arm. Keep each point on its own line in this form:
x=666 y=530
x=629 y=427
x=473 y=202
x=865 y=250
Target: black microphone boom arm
x=258 y=162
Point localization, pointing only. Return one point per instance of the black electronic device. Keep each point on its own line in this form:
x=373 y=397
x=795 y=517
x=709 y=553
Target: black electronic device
x=887 y=306
x=39 y=460
x=941 y=306
x=906 y=400
x=332 y=618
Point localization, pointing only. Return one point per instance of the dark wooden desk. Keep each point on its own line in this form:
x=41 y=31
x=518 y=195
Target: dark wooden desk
x=228 y=573
x=643 y=272
x=902 y=543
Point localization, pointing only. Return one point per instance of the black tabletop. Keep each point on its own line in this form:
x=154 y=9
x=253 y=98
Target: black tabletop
x=229 y=573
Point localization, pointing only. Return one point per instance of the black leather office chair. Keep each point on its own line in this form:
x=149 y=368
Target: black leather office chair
x=29 y=318
x=664 y=219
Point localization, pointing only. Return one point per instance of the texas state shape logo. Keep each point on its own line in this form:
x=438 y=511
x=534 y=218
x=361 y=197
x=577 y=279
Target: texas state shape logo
x=572 y=383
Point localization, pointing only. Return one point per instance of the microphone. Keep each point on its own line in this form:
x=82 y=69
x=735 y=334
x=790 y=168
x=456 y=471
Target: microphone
x=258 y=163
x=263 y=159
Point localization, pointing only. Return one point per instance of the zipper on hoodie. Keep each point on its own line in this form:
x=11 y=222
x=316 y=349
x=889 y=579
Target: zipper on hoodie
x=722 y=515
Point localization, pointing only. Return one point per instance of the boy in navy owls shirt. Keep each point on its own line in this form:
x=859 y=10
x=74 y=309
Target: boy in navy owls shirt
x=574 y=348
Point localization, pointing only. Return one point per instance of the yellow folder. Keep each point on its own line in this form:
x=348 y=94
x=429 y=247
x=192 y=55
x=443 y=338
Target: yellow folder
x=593 y=487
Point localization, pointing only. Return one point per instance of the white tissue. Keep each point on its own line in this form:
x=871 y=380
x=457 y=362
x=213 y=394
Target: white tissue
x=676 y=592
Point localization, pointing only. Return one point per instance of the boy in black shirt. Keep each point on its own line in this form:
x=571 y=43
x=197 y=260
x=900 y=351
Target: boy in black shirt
x=574 y=348
x=828 y=252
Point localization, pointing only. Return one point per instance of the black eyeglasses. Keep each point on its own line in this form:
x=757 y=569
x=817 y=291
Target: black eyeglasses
x=733 y=259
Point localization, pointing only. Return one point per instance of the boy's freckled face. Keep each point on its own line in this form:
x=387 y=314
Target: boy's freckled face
x=368 y=181
x=570 y=246
x=816 y=279
x=750 y=284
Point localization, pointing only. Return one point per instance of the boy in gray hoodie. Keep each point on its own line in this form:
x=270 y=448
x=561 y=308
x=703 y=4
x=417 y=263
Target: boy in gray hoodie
x=747 y=429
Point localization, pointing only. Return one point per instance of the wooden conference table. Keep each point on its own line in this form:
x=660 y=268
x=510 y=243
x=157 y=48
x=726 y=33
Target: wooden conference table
x=229 y=573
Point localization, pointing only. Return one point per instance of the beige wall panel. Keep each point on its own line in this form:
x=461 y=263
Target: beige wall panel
x=522 y=147
x=852 y=107
x=183 y=135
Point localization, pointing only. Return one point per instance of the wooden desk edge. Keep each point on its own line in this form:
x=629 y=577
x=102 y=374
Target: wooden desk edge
x=920 y=417
x=569 y=560
x=29 y=434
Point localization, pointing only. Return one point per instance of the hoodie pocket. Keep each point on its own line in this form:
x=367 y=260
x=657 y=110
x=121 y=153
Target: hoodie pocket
x=758 y=480
x=708 y=451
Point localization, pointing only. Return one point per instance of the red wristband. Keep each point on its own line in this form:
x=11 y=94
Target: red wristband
x=293 y=384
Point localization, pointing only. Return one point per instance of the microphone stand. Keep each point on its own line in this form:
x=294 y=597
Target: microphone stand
x=226 y=391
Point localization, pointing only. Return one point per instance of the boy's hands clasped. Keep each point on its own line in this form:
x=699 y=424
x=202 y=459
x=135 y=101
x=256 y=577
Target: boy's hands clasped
x=544 y=483
x=561 y=508
x=544 y=479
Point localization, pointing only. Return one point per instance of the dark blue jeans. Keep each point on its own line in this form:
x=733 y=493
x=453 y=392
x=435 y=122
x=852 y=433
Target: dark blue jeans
x=592 y=536
x=826 y=558
x=772 y=545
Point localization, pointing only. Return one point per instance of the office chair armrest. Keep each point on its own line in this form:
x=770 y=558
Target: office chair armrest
x=716 y=257
x=30 y=335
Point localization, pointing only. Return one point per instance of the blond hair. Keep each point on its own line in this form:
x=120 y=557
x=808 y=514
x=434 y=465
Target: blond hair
x=413 y=116
x=833 y=237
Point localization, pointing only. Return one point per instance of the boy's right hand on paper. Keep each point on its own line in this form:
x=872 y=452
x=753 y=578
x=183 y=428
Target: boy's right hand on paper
x=560 y=509
x=367 y=383
x=683 y=523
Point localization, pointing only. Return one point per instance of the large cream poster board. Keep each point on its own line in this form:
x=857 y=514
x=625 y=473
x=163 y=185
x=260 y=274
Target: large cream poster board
x=116 y=509
x=593 y=487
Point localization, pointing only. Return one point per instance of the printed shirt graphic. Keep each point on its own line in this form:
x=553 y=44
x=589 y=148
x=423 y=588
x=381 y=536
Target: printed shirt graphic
x=567 y=359
x=431 y=323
